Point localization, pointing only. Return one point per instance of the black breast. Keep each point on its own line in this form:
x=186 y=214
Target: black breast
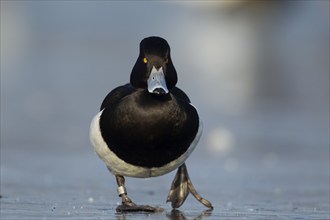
x=148 y=131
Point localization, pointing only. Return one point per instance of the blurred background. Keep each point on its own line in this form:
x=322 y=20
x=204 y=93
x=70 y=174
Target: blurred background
x=258 y=72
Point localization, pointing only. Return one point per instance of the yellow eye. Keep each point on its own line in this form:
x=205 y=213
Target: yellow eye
x=145 y=60
x=166 y=61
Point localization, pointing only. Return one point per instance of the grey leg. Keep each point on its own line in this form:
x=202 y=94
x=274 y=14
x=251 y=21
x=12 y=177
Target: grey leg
x=127 y=204
x=122 y=191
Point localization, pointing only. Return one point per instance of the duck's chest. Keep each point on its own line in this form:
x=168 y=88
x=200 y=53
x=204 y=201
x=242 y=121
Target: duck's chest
x=147 y=118
x=147 y=127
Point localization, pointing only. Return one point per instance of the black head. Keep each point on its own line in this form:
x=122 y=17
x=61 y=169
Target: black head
x=154 y=69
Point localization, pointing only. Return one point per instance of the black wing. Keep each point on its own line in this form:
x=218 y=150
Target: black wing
x=178 y=93
x=116 y=95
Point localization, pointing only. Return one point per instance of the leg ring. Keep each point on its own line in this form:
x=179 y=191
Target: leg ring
x=121 y=190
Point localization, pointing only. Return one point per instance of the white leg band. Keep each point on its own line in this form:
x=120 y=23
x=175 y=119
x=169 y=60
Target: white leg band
x=121 y=190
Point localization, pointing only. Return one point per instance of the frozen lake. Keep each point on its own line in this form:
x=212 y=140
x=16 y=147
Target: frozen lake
x=76 y=185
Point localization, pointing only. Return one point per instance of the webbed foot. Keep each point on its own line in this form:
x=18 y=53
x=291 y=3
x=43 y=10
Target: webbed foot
x=181 y=186
x=179 y=189
x=138 y=208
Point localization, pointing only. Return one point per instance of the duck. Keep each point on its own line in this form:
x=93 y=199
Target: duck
x=148 y=127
